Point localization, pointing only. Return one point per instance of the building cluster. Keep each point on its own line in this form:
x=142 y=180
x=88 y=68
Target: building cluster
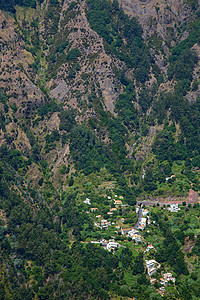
x=108 y=245
x=134 y=234
x=131 y=232
x=102 y=224
x=166 y=278
x=152 y=265
x=112 y=246
x=145 y=218
x=105 y=223
x=164 y=281
x=161 y=291
x=142 y=223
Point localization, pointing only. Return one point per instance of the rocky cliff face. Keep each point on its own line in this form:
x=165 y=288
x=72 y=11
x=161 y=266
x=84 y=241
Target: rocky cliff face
x=15 y=67
x=93 y=72
x=52 y=52
x=160 y=17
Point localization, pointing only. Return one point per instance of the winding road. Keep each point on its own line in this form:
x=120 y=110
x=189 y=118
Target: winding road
x=139 y=218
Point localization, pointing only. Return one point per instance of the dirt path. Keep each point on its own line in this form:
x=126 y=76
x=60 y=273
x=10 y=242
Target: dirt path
x=190 y=266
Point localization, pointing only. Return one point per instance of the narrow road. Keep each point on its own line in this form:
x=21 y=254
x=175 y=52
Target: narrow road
x=149 y=202
x=139 y=218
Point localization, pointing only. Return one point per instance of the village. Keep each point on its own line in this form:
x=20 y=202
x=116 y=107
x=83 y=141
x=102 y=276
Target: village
x=116 y=222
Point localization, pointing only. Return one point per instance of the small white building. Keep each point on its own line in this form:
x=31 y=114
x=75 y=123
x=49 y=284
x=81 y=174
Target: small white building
x=145 y=212
x=152 y=266
x=117 y=202
x=153 y=280
x=151 y=271
x=150 y=247
x=142 y=224
x=105 y=223
x=112 y=246
x=104 y=243
x=87 y=201
x=166 y=278
x=136 y=238
x=172 y=176
x=143 y=220
x=174 y=207
x=95 y=242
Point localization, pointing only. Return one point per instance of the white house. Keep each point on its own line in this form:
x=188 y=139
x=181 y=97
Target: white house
x=117 y=202
x=174 y=207
x=105 y=223
x=87 y=201
x=112 y=246
x=145 y=212
x=150 y=247
x=152 y=266
x=110 y=213
x=104 y=243
x=136 y=238
x=93 y=209
x=151 y=271
x=142 y=223
x=134 y=235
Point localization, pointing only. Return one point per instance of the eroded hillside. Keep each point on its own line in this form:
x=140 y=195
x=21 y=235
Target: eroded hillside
x=99 y=101
x=103 y=69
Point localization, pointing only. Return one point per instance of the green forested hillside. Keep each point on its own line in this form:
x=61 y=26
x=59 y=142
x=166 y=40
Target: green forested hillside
x=9 y=5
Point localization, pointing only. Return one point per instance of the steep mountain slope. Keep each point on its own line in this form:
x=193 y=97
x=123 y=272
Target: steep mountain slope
x=98 y=66
x=94 y=93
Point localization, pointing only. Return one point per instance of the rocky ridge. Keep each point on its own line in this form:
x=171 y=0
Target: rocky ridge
x=34 y=68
